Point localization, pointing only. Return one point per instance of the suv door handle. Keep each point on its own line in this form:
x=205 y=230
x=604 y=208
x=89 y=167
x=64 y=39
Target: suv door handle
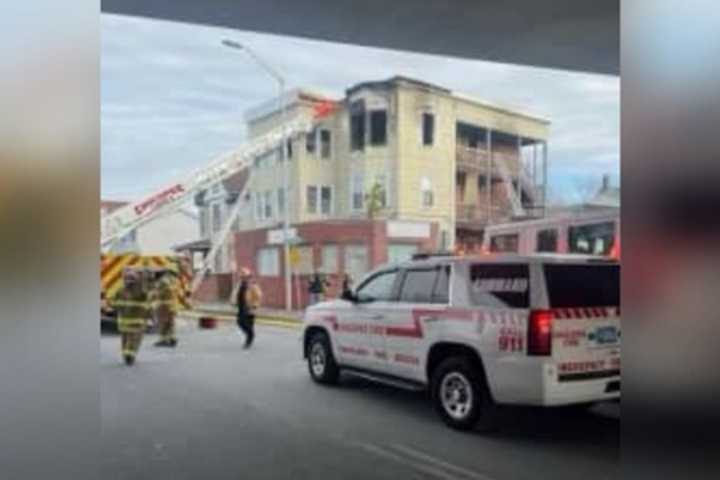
x=377 y=317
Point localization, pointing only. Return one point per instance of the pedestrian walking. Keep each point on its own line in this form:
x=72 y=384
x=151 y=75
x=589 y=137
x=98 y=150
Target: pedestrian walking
x=248 y=300
x=317 y=287
x=165 y=307
x=133 y=311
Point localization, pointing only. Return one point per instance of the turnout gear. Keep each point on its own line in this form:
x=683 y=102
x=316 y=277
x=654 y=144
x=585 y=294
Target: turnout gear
x=165 y=307
x=133 y=311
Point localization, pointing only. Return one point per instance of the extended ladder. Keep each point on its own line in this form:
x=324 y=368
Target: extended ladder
x=121 y=222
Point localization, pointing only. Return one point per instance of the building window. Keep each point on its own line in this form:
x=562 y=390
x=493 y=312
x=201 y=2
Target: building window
x=329 y=259
x=203 y=222
x=428 y=128
x=216 y=220
x=547 y=240
x=305 y=260
x=258 y=206
x=378 y=127
x=268 y=262
x=326 y=200
x=311 y=198
x=289 y=151
x=268 y=204
x=357 y=130
x=281 y=201
x=357 y=192
x=428 y=197
x=356 y=261
x=310 y=140
x=324 y=143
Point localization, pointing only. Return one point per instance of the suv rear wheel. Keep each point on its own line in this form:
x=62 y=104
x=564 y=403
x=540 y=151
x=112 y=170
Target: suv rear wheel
x=321 y=362
x=460 y=395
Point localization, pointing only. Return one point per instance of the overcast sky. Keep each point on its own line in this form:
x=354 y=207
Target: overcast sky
x=173 y=97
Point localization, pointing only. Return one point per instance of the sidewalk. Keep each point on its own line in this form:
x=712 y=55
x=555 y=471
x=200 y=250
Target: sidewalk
x=268 y=316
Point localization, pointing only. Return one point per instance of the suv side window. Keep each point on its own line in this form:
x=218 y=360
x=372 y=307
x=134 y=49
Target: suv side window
x=500 y=285
x=379 y=286
x=426 y=285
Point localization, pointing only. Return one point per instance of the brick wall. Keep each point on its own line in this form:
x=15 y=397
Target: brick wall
x=214 y=288
x=318 y=234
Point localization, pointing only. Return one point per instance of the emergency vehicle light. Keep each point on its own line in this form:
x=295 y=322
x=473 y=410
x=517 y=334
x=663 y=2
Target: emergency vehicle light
x=539 y=340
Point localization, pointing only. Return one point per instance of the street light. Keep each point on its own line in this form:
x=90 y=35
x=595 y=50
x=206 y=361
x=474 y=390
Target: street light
x=283 y=118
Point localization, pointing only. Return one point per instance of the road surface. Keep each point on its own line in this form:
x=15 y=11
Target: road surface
x=211 y=410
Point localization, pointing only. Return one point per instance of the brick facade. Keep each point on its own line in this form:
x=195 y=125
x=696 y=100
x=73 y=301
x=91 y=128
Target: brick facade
x=371 y=234
x=214 y=287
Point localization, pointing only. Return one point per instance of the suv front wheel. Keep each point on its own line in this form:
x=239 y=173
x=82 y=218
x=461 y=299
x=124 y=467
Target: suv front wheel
x=321 y=362
x=461 y=396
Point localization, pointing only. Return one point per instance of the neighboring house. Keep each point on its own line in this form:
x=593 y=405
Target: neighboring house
x=157 y=237
x=214 y=205
x=607 y=197
x=439 y=166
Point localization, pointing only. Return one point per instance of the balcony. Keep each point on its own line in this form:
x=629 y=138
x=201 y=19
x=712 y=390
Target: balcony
x=475 y=160
x=477 y=215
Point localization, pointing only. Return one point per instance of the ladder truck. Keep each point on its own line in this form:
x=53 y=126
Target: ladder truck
x=120 y=222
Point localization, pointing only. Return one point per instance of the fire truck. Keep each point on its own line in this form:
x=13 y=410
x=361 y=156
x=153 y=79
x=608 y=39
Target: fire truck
x=148 y=269
x=585 y=232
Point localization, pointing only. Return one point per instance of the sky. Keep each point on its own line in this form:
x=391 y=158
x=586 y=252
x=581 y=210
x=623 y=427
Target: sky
x=172 y=98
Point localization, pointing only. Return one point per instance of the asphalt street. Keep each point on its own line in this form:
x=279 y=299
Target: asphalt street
x=211 y=410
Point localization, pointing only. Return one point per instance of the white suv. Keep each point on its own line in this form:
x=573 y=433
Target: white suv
x=477 y=332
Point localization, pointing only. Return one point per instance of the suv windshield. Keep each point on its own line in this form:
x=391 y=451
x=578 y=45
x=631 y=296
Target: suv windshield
x=583 y=285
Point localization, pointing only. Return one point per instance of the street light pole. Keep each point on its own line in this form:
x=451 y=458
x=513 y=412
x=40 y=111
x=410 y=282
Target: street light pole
x=286 y=176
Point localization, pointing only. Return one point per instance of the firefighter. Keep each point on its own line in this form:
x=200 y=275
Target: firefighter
x=249 y=298
x=165 y=308
x=133 y=311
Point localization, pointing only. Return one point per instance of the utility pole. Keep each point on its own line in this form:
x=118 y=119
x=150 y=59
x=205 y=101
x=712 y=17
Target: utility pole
x=286 y=176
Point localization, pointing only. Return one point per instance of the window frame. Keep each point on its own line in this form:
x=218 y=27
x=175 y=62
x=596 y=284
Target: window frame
x=311 y=142
x=258 y=255
x=358 y=119
x=501 y=302
x=383 y=140
x=331 y=189
x=556 y=239
x=314 y=199
x=424 y=133
x=353 y=177
x=433 y=268
x=323 y=144
x=425 y=181
x=393 y=297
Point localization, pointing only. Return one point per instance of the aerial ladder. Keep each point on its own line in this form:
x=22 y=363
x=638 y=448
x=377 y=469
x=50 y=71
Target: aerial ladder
x=120 y=222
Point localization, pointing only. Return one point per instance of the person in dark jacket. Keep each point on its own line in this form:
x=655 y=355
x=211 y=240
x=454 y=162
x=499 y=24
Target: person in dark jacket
x=316 y=288
x=248 y=300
